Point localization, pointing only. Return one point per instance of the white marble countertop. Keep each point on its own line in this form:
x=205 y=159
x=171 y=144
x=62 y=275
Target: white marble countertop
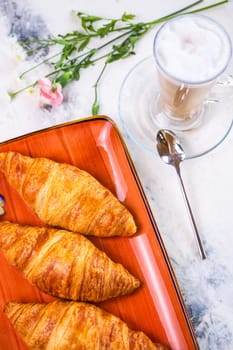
x=207 y=286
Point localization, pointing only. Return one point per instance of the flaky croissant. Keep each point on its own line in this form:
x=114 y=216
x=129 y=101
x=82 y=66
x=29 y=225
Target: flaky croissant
x=64 y=264
x=65 y=196
x=72 y=325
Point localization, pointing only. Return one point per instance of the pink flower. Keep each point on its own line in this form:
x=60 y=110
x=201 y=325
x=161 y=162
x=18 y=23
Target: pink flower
x=54 y=96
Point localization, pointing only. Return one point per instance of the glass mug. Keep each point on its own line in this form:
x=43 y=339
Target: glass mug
x=191 y=52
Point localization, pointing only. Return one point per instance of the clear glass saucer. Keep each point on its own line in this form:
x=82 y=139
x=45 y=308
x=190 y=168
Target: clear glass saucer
x=138 y=95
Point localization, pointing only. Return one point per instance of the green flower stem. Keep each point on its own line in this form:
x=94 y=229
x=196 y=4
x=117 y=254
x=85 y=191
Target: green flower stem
x=13 y=94
x=95 y=105
x=210 y=6
x=174 y=14
x=38 y=65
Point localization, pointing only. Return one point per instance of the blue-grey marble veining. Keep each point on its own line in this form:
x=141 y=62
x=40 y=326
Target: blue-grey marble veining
x=205 y=305
x=23 y=23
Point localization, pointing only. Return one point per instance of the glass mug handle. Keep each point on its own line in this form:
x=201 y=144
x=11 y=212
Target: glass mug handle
x=223 y=89
x=226 y=80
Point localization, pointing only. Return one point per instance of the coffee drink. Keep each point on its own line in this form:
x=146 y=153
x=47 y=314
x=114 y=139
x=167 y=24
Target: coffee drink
x=191 y=52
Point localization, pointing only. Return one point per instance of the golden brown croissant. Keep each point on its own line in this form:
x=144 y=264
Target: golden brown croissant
x=64 y=264
x=72 y=325
x=65 y=196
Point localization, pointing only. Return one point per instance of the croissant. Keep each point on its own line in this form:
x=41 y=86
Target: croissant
x=66 y=196
x=74 y=325
x=64 y=264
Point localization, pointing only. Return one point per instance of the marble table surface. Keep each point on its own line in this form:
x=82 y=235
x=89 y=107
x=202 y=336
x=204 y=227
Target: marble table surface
x=207 y=286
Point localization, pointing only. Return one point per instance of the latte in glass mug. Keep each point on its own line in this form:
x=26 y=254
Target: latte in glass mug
x=191 y=52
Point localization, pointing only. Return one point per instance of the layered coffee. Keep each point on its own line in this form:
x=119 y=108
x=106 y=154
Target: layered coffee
x=191 y=51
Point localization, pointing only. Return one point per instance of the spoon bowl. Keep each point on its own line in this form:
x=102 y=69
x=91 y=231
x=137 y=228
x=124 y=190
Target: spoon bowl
x=169 y=147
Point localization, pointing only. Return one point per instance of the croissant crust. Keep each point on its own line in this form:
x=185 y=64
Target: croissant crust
x=72 y=325
x=66 y=196
x=64 y=264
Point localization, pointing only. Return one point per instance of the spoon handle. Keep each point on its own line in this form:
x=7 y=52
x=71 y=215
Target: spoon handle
x=198 y=239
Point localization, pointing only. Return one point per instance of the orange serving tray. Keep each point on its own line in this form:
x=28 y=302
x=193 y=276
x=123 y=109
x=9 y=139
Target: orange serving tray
x=95 y=144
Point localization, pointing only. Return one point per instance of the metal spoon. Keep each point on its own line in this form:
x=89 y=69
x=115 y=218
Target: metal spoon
x=172 y=153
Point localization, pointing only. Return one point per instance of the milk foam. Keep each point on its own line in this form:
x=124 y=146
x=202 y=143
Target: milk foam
x=192 y=48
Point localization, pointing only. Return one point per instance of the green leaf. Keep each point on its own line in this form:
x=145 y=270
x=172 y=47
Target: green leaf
x=87 y=21
x=106 y=28
x=89 y=18
x=73 y=36
x=84 y=44
x=127 y=17
x=66 y=53
x=123 y=50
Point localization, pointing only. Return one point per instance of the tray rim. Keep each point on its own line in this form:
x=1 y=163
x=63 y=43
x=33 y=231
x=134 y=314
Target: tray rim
x=144 y=198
